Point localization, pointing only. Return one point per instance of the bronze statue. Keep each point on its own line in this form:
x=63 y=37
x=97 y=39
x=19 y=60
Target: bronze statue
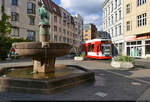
x=44 y=16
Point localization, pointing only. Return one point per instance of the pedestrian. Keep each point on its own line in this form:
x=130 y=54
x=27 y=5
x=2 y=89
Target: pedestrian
x=12 y=51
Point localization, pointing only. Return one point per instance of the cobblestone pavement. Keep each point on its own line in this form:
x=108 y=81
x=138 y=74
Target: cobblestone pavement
x=110 y=84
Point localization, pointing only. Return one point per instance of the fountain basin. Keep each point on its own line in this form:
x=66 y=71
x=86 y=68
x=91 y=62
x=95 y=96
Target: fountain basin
x=31 y=49
x=40 y=84
x=43 y=54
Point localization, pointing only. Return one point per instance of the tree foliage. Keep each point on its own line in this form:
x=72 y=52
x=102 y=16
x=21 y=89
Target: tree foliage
x=5 y=25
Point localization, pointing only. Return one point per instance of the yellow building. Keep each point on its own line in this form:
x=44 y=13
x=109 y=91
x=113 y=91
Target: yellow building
x=137 y=27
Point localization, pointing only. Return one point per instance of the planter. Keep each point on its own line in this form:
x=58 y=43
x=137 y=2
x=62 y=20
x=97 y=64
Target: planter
x=79 y=58
x=125 y=65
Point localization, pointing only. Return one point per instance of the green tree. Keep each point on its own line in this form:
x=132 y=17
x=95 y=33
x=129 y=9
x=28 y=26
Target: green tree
x=5 y=25
x=5 y=28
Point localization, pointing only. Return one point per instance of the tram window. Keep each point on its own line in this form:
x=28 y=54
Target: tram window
x=98 y=48
x=92 y=48
x=89 y=47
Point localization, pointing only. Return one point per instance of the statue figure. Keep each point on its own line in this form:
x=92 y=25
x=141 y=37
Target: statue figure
x=44 y=16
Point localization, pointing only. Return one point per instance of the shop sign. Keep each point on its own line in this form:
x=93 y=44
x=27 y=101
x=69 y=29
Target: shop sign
x=138 y=37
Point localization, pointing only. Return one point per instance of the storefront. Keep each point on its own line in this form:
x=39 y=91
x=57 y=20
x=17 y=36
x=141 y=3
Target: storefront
x=138 y=46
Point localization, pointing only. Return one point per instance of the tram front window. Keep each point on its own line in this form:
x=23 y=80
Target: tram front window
x=106 y=50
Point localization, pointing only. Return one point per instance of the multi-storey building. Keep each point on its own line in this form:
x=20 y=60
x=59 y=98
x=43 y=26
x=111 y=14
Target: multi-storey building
x=136 y=27
x=89 y=32
x=24 y=18
x=113 y=23
x=64 y=27
x=78 y=20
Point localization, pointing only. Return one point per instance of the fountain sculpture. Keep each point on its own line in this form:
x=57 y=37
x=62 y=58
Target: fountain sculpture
x=44 y=76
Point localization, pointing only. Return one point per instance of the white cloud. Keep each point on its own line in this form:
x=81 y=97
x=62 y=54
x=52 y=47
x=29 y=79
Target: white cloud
x=91 y=10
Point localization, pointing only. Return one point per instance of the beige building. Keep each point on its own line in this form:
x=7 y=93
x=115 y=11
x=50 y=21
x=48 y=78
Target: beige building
x=25 y=19
x=64 y=27
x=136 y=27
x=89 y=32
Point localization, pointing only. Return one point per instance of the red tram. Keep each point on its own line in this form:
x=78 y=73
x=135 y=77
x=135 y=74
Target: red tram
x=98 y=48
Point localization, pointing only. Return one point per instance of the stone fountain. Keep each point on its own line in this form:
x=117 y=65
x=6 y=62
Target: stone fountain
x=43 y=76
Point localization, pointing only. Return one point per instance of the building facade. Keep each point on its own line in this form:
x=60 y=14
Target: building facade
x=113 y=24
x=89 y=32
x=64 y=28
x=24 y=18
x=78 y=20
x=136 y=27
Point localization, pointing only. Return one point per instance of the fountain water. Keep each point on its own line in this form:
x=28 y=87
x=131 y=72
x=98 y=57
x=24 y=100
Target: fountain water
x=44 y=76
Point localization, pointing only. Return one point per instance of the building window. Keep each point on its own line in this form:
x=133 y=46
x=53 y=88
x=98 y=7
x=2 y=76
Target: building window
x=15 y=32
x=140 y=2
x=64 y=39
x=64 y=23
x=32 y=20
x=142 y=20
x=112 y=32
x=67 y=40
x=14 y=2
x=60 y=38
x=119 y=2
x=86 y=30
x=116 y=17
x=109 y=21
x=3 y=2
x=119 y=14
x=14 y=16
x=112 y=7
x=55 y=28
x=112 y=19
x=128 y=8
x=108 y=9
x=60 y=21
x=116 y=3
x=30 y=35
x=64 y=15
x=31 y=8
x=64 y=31
x=128 y=26
x=55 y=19
x=116 y=31
x=55 y=38
x=120 y=30
x=86 y=34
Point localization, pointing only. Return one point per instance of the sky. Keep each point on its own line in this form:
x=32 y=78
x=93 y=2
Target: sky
x=90 y=10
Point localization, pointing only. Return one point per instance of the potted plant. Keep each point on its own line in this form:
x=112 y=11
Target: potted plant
x=123 y=62
x=80 y=57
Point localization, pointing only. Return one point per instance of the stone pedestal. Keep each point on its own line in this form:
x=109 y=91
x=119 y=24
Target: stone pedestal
x=44 y=33
x=44 y=65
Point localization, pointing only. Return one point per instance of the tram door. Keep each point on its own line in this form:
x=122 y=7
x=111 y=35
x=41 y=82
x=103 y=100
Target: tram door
x=97 y=45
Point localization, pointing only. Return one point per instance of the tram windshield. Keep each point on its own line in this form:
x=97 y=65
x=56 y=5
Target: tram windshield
x=106 y=50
